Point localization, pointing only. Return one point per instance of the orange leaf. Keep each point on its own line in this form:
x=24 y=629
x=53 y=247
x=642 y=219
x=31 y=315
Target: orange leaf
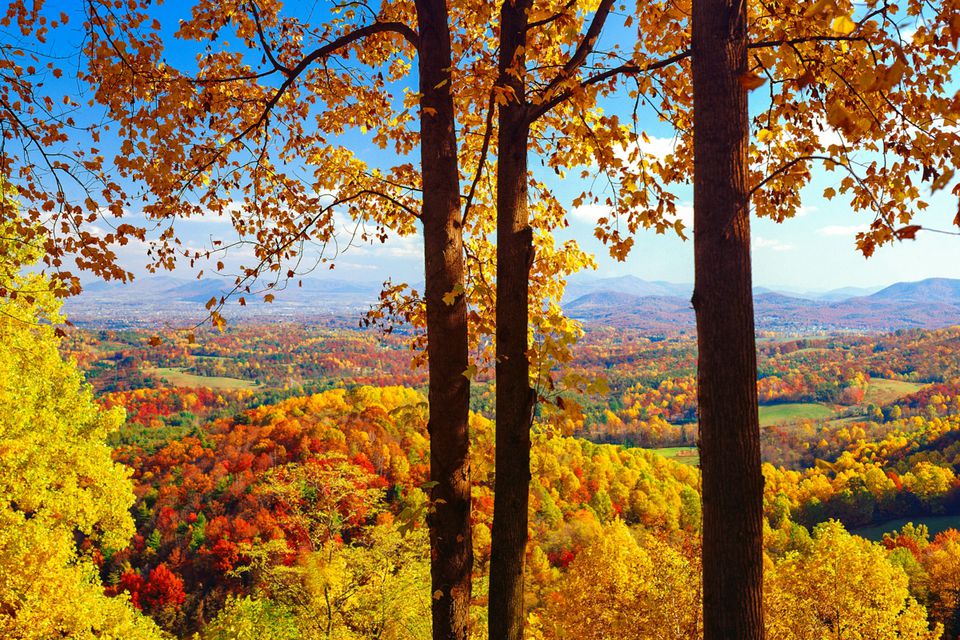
x=751 y=81
x=907 y=233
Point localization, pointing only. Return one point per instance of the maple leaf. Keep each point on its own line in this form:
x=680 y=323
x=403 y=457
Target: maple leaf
x=843 y=25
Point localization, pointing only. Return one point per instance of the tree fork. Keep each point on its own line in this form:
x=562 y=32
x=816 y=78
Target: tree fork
x=723 y=301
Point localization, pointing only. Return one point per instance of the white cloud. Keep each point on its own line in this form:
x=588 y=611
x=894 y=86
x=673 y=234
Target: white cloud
x=350 y=240
x=770 y=243
x=841 y=230
x=658 y=148
x=685 y=214
x=590 y=213
x=357 y=266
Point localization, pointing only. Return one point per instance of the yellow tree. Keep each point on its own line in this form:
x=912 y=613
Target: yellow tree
x=546 y=105
x=843 y=588
x=248 y=120
x=619 y=588
x=58 y=482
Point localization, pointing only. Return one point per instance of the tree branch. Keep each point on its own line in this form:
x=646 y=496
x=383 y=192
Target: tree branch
x=488 y=132
x=263 y=40
x=624 y=69
x=794 y=41
x=556 y=16
x=579 y=56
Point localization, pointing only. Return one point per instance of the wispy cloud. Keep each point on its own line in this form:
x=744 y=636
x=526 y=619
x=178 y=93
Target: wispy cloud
x=770 y=243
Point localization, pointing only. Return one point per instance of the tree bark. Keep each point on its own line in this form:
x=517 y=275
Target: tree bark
x=515 y=399
x=451 y=546
x=723 y=300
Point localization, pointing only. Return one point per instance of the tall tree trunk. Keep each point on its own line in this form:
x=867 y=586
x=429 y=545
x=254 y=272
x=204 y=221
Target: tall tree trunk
x=515 y=399
x=451 y=545
x=723 y=300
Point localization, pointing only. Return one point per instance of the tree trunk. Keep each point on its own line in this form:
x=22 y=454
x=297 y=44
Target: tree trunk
x=515 y=399
x=723 y=300
x=451 y=546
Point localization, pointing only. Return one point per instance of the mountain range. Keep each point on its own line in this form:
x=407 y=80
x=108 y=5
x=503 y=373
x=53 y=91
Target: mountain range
x=930 y=303
x=622 y=301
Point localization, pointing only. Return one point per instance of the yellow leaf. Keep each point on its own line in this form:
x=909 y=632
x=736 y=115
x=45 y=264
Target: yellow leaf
x=817 y=8
x=451 y=296
x=843 y=25
x=838 y=117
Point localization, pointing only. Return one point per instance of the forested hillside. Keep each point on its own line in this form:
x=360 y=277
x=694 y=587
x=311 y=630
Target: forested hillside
x=305 y=517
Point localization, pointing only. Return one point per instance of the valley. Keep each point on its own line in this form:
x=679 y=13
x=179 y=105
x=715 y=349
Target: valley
x=226 y=433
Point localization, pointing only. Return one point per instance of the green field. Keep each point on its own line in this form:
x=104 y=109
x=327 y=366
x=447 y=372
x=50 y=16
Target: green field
x=178 y=377
x=935 y=524
x=793 y=412
x=882 y=391
x=683 y=455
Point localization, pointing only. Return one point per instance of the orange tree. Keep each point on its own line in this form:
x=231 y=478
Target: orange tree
x=59 y=193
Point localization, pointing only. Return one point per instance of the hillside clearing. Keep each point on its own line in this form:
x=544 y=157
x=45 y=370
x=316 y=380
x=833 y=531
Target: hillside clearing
x=793 y=412
x=882 y=391
x=179 y=377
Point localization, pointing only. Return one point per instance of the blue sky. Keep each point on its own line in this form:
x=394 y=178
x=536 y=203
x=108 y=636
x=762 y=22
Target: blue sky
x=814 y=251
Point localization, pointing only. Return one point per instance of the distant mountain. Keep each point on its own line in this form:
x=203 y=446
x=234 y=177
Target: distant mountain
x=624 y=301
x=844 y=293
x=653 y=313
x=164 y=297
x=579 y=287
x=583 y=285
x=925 y=304
x=940 y=290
